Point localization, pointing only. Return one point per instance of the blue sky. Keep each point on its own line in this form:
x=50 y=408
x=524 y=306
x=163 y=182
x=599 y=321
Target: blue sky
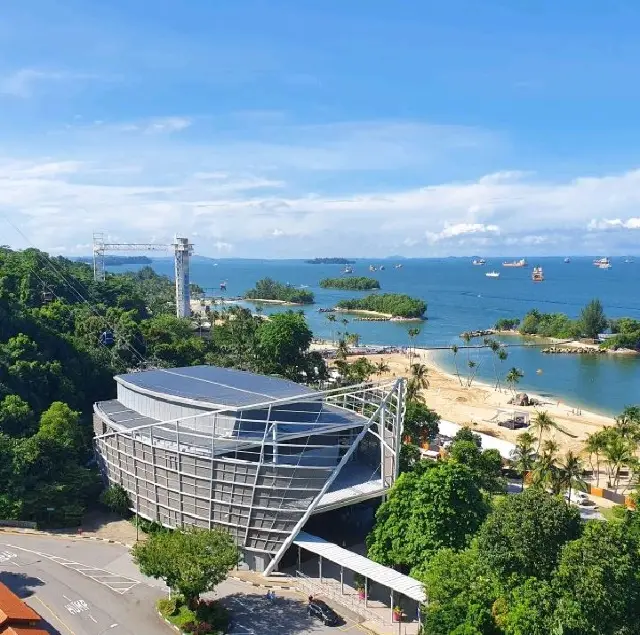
x=287 y=129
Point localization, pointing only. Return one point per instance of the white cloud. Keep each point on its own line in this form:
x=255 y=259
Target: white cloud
x=23 y=82
x=614 y=223
x=460 y=229
x=167 y=125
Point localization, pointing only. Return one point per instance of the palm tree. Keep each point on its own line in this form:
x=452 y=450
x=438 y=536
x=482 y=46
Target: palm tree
x=412 y=333
x=413 y=391
x=595 y=444
x=570 y=472
x=618 y=452
x=454 y=350
x=513 y=378
x=543 y=423
x=522 y=456
x=473 y=369
x=353 y=339
x=342 y=350
x=381 y=367
x=627 y=427
x=419 y=372
x=332 y=320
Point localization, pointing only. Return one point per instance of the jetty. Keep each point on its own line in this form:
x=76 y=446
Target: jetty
x=573 y=350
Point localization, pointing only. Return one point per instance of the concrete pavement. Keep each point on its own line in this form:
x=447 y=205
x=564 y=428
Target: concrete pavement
x=85 y=587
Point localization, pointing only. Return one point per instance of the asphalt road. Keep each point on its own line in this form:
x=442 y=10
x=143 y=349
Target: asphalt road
x=83 y=587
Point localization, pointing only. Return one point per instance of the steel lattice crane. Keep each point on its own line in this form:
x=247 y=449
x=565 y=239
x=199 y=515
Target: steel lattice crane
x=182 y=249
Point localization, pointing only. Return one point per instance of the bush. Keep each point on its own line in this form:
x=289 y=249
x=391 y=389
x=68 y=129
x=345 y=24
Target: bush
x=116 y=498
x=167 y=606
x=184 y=617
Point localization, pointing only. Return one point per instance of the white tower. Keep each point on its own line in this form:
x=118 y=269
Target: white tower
x=183 y=250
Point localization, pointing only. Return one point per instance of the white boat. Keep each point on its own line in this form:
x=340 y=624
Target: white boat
x=381 y=267
x=537 y=274
x=516 y=263
x=348 y=269
x=629 y=260
x=372 y=268
x=492 y=274
x=567 y=259
x=599 y=262
x=604 y=265
x=399 y=266
x=478 y=262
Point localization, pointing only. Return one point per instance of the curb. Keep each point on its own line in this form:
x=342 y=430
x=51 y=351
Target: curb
x=33 y=532
x=278 y=587
x=173 y=626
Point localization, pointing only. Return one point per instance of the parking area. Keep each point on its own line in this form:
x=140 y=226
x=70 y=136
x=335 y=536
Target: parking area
x=84 y=587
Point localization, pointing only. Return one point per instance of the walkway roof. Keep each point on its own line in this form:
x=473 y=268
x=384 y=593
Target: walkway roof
x=403 y=584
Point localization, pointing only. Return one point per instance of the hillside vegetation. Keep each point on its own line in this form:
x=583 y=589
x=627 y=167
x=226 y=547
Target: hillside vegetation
x=358 y=283
x=269 y=289
x=395 y=304
x=55 y=362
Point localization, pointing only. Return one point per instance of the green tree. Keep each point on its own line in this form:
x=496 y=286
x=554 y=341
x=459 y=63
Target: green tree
x=190 y=562
x=571 y=472
x=486 y=465
x=595 y=444
x=528 y=609
x=426 y=511
x=16 y=416
x=116 y=498
x=592 y=319
x=283 y=341
x=381 y=367
x=461 y=594
x=523 y=456
x=542 y=424
x=598 y=582
x=454 y=352
x=524 y=535
x=61 y=424
x=420 y=422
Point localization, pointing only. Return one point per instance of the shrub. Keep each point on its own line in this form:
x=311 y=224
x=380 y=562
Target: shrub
x=116 y=498
x=167 y=606
x=185 y=616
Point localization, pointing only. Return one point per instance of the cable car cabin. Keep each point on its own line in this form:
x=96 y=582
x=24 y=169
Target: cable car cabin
x=107 y=339
x=47 y=297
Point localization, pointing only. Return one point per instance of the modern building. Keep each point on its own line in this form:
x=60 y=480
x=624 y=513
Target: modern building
x=215 y=447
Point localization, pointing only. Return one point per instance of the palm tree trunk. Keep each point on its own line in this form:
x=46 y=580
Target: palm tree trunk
x=597 y=469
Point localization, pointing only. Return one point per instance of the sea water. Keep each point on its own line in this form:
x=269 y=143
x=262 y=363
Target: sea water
x=460 y=298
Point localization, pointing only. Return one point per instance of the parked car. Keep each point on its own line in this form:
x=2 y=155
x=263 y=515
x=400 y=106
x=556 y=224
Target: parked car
x=317 y=608
x=580 y=499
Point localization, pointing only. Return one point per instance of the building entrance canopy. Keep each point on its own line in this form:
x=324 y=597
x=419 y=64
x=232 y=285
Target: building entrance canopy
x=385 y=576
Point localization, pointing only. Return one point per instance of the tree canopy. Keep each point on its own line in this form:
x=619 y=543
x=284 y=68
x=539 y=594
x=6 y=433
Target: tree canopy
x=269 y=289
x=358 y=283
x=394 y=304
x=191 y=562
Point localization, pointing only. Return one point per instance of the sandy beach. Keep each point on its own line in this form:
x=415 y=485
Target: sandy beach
x=477 y=405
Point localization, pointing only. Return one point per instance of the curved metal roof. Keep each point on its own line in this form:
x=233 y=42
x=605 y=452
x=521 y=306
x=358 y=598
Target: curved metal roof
x=212 y=385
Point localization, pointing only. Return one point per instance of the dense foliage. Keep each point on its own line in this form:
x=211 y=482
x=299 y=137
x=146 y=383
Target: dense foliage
x=395 y=304
x=63 y=337
x=357 y=283
x=190 y=562
x=507 y=324
x=591 y=322
x=625 y=334
x=269 y=289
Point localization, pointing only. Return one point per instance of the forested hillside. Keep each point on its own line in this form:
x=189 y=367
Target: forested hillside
x=63 y=337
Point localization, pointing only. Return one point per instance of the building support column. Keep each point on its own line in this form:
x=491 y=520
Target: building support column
x=320 y=568
x=392 y=606
x=341 y=580
x=299 y=560
x=366 y=592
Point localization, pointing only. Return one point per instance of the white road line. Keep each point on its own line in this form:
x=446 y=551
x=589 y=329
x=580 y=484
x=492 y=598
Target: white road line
x=95 y=621
x=111 y=580
x=66 y=598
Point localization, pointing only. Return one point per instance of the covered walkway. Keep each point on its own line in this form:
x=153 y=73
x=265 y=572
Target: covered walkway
x=366 y=587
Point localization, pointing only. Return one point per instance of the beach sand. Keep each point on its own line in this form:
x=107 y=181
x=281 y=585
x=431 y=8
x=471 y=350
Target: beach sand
x=476 y=405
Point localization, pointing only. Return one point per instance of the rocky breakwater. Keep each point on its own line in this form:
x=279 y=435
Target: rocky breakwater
x=481 y=333
x=573 y=350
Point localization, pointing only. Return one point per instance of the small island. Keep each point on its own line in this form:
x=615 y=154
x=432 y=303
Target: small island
x=584 y=335
x=390 y=305
x=330 y=261
x=359 y=283
x=270 y=291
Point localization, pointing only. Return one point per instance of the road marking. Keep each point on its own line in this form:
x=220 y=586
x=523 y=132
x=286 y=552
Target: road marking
x=95 y=621
x=117 y=583
x=5 y=556
x=76 y=606
x=64 y=624
x=66 y=598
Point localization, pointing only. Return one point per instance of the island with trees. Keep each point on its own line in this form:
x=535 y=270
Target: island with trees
x=330 y=261
x=269 y=290
x=390 y=305
x=589 y=327
x=357 y=283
